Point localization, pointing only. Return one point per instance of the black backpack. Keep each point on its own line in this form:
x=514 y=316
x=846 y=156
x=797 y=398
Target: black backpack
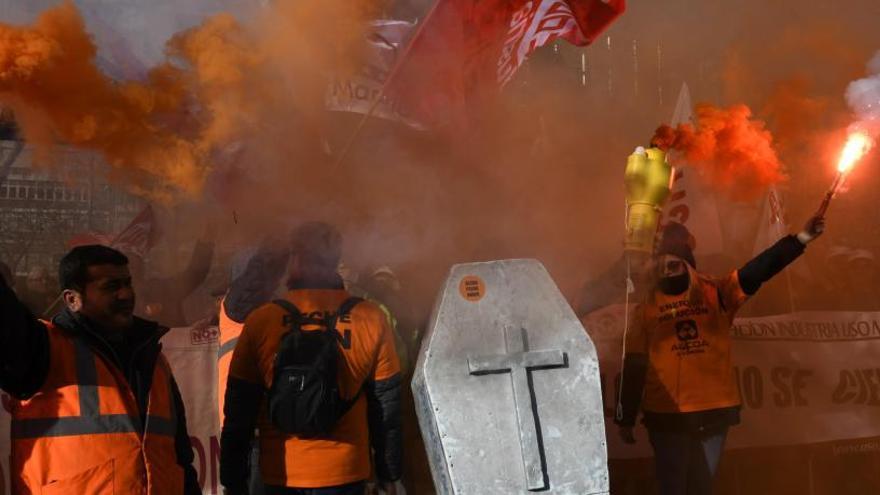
x=304 y=399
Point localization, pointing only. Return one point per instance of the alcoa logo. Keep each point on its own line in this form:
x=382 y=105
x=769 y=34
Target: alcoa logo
x=205 y=335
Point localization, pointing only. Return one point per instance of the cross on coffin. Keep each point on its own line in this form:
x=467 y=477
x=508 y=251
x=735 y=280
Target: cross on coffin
x=520 y=362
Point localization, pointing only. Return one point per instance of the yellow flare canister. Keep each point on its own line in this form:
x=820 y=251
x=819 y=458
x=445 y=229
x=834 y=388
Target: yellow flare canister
x=648 y=181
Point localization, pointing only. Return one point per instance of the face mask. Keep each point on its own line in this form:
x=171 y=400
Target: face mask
x=674 y=285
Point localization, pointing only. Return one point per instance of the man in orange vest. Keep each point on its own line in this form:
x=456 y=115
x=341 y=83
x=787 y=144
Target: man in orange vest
x=677 y=367
x=368 y=379
x=96 y=409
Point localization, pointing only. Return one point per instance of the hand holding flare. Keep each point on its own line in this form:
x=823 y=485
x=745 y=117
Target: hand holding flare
x=857 y=145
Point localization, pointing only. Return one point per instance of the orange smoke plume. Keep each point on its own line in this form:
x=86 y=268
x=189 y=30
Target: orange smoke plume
x=219 y=85
x=157 y=135
x=733 y=152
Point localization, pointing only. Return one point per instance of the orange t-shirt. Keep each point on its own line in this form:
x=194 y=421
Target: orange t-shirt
x=368 y=351
x=686 y=338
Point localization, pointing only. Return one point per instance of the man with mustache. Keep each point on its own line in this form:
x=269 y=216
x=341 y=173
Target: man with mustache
x=96 y=409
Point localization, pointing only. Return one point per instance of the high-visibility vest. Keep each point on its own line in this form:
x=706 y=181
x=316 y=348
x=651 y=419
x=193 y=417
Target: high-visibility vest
x=230 y=331
x=82 y=433
x=686 y=338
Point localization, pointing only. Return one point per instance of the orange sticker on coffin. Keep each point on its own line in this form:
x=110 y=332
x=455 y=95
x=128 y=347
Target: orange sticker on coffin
x=472 y=288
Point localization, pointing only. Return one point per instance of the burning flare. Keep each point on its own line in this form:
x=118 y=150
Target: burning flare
x=857 y=145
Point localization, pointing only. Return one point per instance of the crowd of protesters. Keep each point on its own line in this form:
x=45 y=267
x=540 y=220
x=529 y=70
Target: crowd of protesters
x=844 y=279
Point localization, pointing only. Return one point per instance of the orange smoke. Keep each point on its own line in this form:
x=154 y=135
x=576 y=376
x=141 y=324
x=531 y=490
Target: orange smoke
x=733 y=152
x=219 y=85
x=49 y=78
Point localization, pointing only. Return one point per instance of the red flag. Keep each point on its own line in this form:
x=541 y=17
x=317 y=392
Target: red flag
x=140 y=236
x=466 y=50
x=137 y=238
x=89 y=238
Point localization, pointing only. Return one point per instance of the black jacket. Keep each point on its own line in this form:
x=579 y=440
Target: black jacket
x=256 y=285
x=244 y=399
x=25 y=362
x=751 y=276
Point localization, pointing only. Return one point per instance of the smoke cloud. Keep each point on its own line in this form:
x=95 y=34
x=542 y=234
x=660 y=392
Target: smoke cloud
x=733 y=151
x=863 y=97
x=49 y=78
x=164 y=135
x=242 y=98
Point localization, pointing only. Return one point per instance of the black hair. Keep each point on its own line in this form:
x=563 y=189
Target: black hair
x=73 y=271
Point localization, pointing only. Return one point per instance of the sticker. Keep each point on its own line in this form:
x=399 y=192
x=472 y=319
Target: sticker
x=472 y=288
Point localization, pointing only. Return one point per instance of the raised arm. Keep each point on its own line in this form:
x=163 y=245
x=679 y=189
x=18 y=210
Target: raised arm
x=256 y=285
x=24 y=347
x=771 y=261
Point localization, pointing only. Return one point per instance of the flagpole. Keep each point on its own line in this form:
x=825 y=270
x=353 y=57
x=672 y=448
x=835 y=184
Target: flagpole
x=375 y=104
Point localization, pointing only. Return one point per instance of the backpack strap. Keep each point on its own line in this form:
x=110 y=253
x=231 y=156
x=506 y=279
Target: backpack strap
x=293 y=311
x=288 y=306
x=345 y=308
x=348 y=305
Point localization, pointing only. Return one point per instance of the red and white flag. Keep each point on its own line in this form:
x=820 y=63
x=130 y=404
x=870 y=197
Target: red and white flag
x=467 y=50
x=137 y=238
x=140 y=236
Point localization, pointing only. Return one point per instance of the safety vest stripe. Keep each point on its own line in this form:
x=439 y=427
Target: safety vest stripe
x=71 y=426
x=76 y=425
x=90 y=421
x=87 y=379
x=227 y=347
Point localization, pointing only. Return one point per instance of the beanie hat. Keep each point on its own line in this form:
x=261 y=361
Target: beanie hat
x=678 y=241
x=318 y=244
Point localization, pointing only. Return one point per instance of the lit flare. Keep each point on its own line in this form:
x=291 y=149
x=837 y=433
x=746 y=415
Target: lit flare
x=856 y=147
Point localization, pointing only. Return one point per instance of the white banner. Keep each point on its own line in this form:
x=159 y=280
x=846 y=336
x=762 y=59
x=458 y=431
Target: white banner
x=805 y=378
x=192 y=353
x=357 y=92
x=689 y=203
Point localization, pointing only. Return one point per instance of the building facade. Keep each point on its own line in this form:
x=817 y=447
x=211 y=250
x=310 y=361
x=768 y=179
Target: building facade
x=43 y=206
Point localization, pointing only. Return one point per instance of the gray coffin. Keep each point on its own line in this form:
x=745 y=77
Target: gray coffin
x=507 y=387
